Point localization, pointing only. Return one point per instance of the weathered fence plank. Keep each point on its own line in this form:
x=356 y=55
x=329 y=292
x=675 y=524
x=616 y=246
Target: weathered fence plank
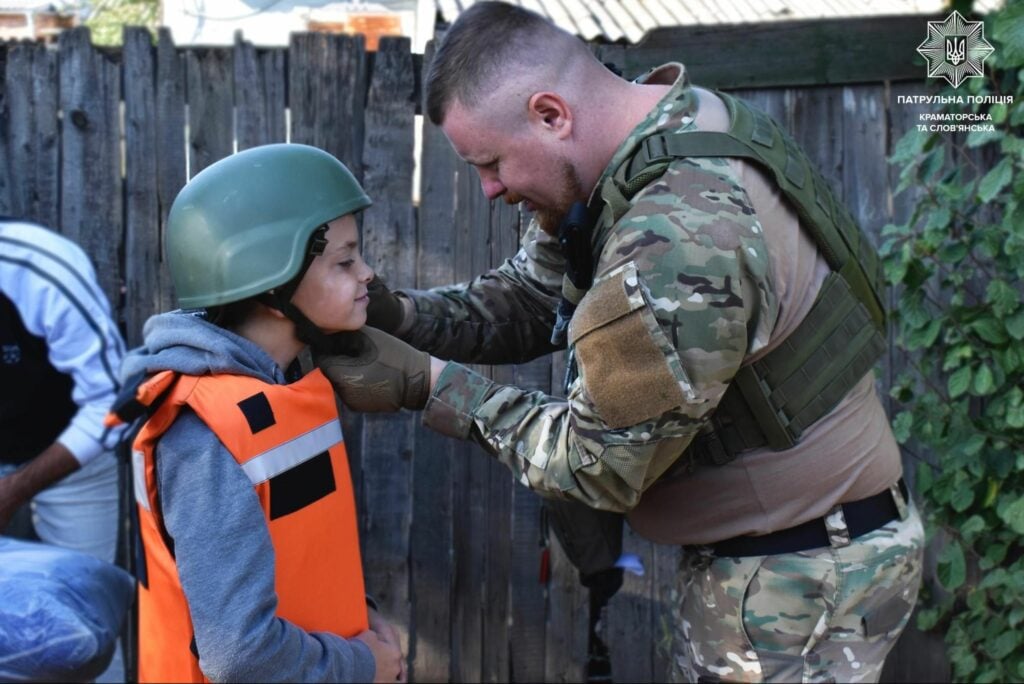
x=327 y=94
x=905 y=663
x=389 y=234
x=91 y=188
x=5 y=122
x=259 y=87
x=498 y=647
x=497 y=644
x=142 y=208
x=32 y=138
x=170 y=143
x=831 y=51
x=566 y=626
x=665 y=595
x=431 y=557
x=211 y=118
x=470 y=467
x=630 y=616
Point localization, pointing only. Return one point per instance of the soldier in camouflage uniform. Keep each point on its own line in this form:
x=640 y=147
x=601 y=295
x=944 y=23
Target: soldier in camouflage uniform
x=698 y=271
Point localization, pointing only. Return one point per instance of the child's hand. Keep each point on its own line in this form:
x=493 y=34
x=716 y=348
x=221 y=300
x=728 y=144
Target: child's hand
x=388 y=634
x=386 y=656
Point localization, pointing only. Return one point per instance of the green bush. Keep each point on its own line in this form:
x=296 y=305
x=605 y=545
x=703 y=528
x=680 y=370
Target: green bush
x=958 y=266
x=107 y=18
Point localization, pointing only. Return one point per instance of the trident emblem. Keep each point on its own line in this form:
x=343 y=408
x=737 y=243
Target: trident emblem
x=956 y=49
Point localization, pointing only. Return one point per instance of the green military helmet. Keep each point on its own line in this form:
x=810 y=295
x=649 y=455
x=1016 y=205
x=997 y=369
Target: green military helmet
x=242 y=226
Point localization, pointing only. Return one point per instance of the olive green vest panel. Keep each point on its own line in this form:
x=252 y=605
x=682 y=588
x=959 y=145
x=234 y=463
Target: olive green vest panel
x=772 y=401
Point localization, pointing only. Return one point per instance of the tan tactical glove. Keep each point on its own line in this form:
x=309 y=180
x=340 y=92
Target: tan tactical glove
x=374 y=372
x=385 y=311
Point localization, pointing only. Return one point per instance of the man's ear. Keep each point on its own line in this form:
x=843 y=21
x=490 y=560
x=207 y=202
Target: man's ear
x=550 y=111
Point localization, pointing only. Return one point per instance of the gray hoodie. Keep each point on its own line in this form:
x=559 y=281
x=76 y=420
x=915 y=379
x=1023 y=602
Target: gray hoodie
x=221 y=541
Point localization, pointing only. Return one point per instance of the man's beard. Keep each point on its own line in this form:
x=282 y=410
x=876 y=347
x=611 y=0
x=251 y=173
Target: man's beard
x=549 y=218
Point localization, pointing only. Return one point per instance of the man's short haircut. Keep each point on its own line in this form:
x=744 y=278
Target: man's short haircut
x=484 y=41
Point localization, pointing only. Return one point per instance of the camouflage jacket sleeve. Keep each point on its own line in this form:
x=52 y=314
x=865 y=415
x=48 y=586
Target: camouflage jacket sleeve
x=503 y=316
x=682 y=295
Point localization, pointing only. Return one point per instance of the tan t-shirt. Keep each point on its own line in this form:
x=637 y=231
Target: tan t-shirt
x=848 y=455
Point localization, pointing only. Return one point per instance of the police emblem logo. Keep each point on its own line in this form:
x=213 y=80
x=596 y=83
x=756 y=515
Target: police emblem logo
x=11 y=354
x=955 y=49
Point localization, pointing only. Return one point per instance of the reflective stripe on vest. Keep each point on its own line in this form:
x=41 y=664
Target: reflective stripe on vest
x=288 y=441
x=290 y=454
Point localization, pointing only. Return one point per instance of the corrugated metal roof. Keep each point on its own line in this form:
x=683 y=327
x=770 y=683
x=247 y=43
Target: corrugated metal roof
x=629 y=20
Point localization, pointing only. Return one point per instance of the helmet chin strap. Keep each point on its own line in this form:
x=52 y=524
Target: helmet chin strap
x=305 y=329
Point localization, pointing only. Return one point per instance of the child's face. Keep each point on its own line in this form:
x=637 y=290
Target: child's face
x=332 y=293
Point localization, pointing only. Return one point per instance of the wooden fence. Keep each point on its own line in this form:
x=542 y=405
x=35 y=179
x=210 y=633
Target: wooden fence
x=97 y=143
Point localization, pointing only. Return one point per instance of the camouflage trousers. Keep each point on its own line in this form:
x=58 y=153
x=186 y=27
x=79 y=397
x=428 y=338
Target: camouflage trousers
x=825 y=615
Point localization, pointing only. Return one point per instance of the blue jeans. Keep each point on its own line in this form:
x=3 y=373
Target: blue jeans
x=81 y=512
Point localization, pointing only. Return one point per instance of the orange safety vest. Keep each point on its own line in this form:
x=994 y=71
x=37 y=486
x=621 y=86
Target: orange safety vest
x=287 y=439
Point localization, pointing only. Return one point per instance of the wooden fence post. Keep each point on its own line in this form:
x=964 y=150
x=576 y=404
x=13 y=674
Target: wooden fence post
x=389 y=237
x=142 y=249
x=91 y=211
x=431 y=557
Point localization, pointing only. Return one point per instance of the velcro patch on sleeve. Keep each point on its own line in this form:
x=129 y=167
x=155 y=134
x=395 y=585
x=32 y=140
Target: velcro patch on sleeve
x=623 y=366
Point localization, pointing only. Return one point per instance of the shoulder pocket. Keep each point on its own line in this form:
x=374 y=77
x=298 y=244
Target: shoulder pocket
x=628 y=366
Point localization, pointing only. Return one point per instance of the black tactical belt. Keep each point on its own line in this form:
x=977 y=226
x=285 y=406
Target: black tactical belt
x=863 y=516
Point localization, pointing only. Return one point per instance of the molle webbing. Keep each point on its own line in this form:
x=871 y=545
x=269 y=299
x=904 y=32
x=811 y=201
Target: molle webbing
x=772 y=401
x=755 y=136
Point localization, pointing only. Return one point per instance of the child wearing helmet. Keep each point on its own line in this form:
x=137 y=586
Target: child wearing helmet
x=250 y=567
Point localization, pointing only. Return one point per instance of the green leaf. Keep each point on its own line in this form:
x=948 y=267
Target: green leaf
x=959 y=382
x=996 y=553
x=933 y=163
x=973 y=526
x=973 y=444
x=957 y=355
x=914 y=312
x=1003 y=645
x=1013 y=515
x=995 y=180
x=909 y=146
x=1008 y=31
x=952 y=568
x=991 y=493
x=925 y=477
x=1002 y=297
x=901 y=426
x=990 y=330
x=962 y=498
x=965 y=664
x=938 y=219
x=924 y=337
x=977 y=600
x=1015 y=416
x=984 y=383
x=953 y=252
x=981 y=136
x=1015 y=325
x=927 y=618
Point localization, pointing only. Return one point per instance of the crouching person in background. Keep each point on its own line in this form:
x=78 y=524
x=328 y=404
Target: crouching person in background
x=251 y=568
